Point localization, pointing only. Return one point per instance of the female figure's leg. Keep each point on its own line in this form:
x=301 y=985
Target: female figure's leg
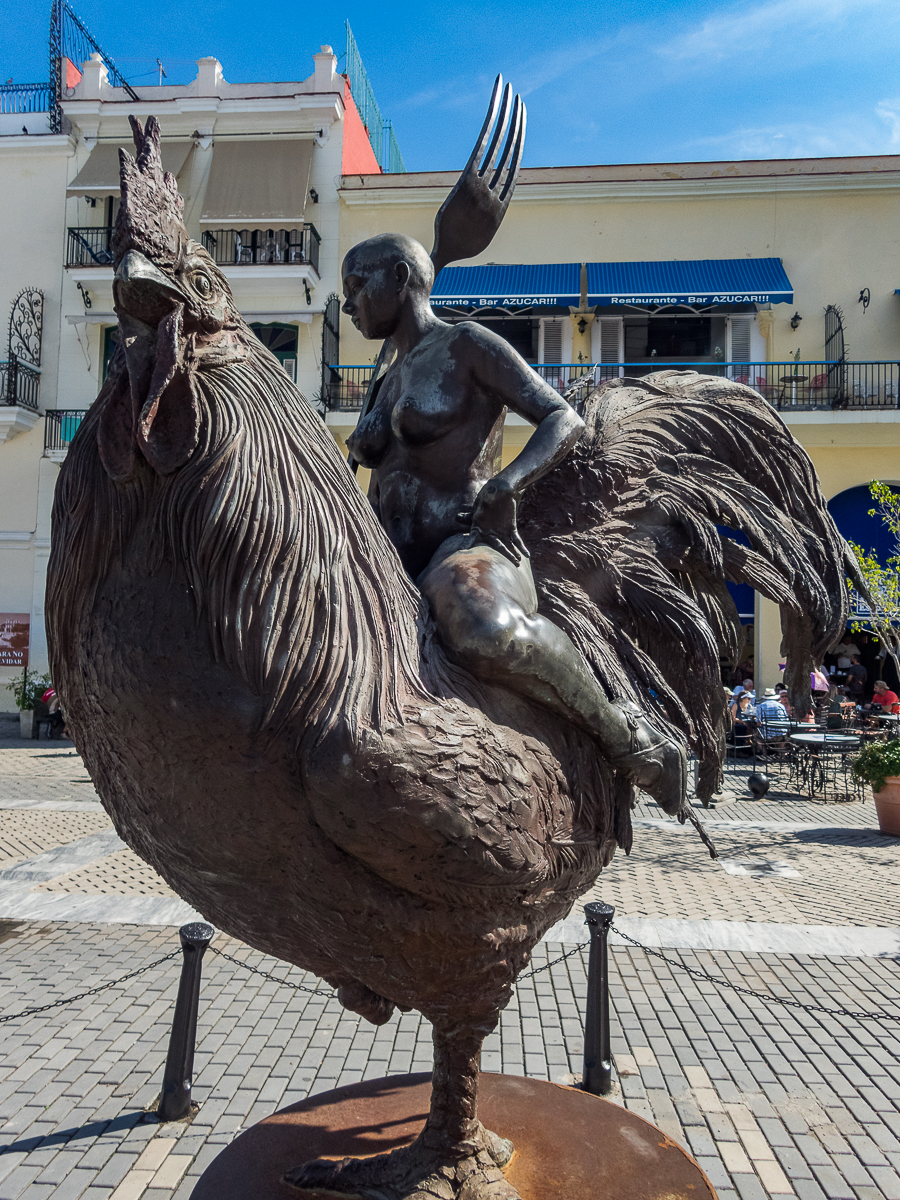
x=485 y=608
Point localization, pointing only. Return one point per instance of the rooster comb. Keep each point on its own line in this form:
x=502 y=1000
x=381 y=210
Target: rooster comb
x=150 y=218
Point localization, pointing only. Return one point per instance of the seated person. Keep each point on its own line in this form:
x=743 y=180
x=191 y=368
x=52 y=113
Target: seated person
x=883 y=698
x=746 y=686
x=839 y=707
x=742 y=716
x=856 y=679
x=57 y=724
x=772 y=716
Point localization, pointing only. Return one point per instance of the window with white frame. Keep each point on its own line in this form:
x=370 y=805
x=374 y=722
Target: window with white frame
x=608 y=341
x=554 y=349
x=739 y=339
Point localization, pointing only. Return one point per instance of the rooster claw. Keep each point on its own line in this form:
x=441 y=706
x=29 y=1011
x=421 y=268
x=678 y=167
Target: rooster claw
x=412 y=1173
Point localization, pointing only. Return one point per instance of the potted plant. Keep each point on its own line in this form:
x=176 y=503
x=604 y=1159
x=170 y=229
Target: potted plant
x=879 y=765
x=27 y=688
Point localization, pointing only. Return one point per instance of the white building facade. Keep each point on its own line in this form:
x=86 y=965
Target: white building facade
x=258 y=165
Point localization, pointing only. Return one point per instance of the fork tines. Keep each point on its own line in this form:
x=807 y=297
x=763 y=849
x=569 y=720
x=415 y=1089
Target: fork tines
x=511 y=158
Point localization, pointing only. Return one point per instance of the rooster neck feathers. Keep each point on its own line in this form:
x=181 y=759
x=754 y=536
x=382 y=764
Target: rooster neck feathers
x=301 y=592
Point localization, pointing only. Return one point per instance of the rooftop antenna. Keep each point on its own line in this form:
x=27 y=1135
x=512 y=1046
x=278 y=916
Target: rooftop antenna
x=162 y=72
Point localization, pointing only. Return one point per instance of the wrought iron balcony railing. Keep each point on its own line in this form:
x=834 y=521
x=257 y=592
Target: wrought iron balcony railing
x=792 y=386
x=788 y=386
x=245 y=247
x=89 y=246
x=59 y=428
x=25 y=98
x=19 y=385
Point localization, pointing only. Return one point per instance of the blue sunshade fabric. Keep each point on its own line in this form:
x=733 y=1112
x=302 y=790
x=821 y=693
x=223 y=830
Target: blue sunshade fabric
x=697 y=282
x=530 y=285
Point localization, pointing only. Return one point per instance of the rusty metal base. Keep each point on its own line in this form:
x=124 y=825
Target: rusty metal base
x=569 y=1145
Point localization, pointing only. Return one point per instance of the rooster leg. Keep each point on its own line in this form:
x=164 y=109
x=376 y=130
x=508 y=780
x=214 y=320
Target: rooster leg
x=453 y=1158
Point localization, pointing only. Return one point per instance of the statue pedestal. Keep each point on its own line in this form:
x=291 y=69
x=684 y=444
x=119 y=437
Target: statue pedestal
x=568 y=1144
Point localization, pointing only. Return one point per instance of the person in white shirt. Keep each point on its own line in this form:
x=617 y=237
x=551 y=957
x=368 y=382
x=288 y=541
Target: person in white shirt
x=845 y=652
x=746 y=686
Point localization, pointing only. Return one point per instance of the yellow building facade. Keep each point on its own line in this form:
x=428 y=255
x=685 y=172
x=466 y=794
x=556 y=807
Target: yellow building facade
x=832 y=223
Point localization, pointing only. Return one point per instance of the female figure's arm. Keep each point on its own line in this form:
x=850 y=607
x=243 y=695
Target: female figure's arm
x=499 y=370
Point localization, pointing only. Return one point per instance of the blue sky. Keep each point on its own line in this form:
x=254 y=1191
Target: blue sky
x=670 y=80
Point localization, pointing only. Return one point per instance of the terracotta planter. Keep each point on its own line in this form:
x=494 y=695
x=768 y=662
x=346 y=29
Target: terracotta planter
x=887 y=805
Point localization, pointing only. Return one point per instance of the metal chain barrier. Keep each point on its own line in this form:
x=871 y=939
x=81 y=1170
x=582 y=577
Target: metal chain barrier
x=547 y=966
x=29 y=1012
x=696 y=973
x=300 y=987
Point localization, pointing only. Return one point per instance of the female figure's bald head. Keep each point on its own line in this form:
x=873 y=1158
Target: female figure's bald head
x=384 y=252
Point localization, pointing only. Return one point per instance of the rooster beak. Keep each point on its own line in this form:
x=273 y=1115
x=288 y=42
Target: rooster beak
x=141 y=290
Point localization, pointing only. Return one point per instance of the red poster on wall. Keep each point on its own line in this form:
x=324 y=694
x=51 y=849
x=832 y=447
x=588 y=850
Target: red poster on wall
x=14 y=628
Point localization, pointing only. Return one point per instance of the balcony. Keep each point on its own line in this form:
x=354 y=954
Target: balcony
x=810 y=386
x=19 y=98
x=249 y=247
x=59 y=429
x=788 y=386
x=19 y=387
x=89 y=246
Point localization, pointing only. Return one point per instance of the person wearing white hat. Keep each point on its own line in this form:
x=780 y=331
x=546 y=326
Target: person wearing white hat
x=772 y=716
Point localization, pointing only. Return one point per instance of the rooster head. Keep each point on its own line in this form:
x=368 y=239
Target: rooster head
x=176 y=317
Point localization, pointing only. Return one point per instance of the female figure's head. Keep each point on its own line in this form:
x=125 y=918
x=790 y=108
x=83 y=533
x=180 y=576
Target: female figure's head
x=384 y=277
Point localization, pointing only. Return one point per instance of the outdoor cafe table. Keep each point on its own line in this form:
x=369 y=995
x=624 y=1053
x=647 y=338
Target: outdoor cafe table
x=841 y=741
x=814 y=759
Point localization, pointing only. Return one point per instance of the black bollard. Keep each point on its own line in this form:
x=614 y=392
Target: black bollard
x=597 y=1078
x=175 y=1098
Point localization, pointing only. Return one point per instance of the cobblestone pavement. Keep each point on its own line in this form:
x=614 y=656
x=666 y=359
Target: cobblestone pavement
x=670 y=874
x=771 y=1099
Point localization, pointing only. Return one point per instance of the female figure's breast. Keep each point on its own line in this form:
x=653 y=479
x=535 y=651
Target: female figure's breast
x=419 y=418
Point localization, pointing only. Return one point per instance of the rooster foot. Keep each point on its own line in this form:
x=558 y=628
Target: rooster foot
x=415 y=1172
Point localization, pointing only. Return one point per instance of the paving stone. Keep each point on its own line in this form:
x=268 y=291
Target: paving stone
x=717 y=1071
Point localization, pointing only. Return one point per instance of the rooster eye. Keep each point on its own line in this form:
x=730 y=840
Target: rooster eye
x=202 y=284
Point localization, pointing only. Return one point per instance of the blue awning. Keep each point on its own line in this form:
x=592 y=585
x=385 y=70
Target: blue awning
x=530 y=285
x=700 y=283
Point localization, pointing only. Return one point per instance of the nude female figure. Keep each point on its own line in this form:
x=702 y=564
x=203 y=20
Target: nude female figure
x=431 y=439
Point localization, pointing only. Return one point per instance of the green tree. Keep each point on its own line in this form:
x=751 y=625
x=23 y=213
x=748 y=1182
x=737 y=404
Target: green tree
x=883 y=580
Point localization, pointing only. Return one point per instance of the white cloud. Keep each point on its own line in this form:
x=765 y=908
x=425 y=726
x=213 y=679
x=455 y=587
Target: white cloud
x=744 y=31
x=848 y=134
x=889 y=111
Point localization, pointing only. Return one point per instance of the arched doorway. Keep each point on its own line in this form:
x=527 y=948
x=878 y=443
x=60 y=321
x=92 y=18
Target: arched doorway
x=850 y=511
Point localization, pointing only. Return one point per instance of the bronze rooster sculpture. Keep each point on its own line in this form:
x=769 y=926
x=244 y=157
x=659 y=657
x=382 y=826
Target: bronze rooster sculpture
x=258 y=693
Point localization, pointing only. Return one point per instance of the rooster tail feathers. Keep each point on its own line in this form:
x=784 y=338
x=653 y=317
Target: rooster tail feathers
x=642 y=519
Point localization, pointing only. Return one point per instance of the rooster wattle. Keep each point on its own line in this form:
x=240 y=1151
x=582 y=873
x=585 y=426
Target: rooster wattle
x=259 y=695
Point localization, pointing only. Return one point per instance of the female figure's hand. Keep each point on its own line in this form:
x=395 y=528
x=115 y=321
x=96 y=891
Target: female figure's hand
x=493 y=518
